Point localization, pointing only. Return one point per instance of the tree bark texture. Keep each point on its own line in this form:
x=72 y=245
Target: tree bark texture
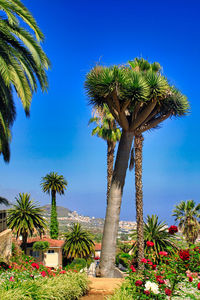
x=110 y=161
x=138 y=144
x=108 y=252
x=24 y=241
x=54 y=219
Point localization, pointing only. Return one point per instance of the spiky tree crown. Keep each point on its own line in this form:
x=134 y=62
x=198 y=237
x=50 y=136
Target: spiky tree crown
x=137 y=94
x=54 y=182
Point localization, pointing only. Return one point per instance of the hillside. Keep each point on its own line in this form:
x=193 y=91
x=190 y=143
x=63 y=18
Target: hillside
x=61 y=211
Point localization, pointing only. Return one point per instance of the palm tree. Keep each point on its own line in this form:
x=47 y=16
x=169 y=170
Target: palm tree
x=106 y=128
x=139 y=101
x=25 y=217
x=156 y=232
x=187 y=213
x=23 y=65
x=78 y=243
x=54 y=183
x=4 y=201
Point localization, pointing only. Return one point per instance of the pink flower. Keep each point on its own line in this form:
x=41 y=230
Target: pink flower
x=147 y=293
x=190 y=278
x=168 y=292
x=163 y=253
x=173 y=229
x=11 y=278
x=138 y=283
x=150 y=244
x=43 y=273
x=154 y=267
x=34 y=265
x=184 y=255
x=144 y=260
x=132 y=268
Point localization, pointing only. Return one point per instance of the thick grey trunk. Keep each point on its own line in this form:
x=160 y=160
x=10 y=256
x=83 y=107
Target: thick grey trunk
x=107 y=261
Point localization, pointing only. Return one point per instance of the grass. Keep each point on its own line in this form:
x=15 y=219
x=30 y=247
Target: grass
x=70 y=286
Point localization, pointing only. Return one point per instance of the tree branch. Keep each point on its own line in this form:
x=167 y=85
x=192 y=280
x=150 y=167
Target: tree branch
x=144 y=114
x=153 y=123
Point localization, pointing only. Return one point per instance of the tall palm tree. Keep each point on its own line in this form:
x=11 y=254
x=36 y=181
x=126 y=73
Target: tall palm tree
x=25 y=217
x=139 y=101
x=106 y=128
x=54 y=183
x=23 y=65
x=156 y=232
x=78 y=243
x=187 y=213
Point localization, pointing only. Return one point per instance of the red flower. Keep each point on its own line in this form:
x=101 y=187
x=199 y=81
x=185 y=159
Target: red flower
x=184 y=254
x=138 y=283
x=144 y=260
x=163 y=253
x=154 y=267
x=190 y=278
x=75 y=271
x=34 y=265
x=147 y=293
x=150 y=244
x=97 y=258
x=168 y=292
x=132 y=268
x=11 y=278
x=9 y=267
x=63 y=272
x=150 y=263
x=43 y=273
x=173 y=229
x=198 y=286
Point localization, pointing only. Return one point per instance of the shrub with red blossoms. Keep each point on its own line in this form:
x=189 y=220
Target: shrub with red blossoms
x=184 y=254
x=163 y=253
x=132 y=268
x=43 y=273
x=147 y=292
x=173 y=229
x=144 y=260
x=198 y=286
x=149 y=244
x=34 y=265
x=138 y=282
x=168 y=292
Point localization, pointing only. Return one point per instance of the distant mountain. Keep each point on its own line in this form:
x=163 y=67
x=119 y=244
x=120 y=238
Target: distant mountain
x=61 y=211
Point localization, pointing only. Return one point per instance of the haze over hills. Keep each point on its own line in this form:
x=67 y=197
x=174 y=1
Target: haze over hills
x=61 y=211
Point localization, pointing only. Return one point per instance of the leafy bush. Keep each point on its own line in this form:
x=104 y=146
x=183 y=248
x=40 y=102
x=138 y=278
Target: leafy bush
x=69 y=286
x=77 y=264
x=41 y=245
x=124 y=259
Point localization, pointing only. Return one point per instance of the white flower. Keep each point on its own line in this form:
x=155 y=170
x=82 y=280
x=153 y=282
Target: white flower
x=151 y=286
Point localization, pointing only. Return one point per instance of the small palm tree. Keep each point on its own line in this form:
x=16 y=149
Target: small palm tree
x=187 y=213
x=78 y=243
x=156 y=232
x=23 y=65
x=4 y=201
x=25 y=217
x=106 y=128
x=54 y=183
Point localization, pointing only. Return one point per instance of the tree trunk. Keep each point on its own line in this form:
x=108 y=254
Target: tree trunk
x=108 y=252
x=54 y=219
x=138 y=144
x=110 y=161
x=24 y=241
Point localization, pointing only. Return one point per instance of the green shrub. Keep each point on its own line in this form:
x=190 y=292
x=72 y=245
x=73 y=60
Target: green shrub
x=41 y=245
x=69 y=286
x=123 y=259
x=77 y=264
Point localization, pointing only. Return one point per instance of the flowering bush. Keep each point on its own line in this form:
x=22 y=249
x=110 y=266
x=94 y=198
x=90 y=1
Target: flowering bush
x=173 y=229
x=149 y=244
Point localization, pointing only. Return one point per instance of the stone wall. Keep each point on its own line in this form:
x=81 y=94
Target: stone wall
x=5 y=244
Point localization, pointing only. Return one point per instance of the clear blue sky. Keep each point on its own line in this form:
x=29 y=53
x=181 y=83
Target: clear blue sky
x=57 y=137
